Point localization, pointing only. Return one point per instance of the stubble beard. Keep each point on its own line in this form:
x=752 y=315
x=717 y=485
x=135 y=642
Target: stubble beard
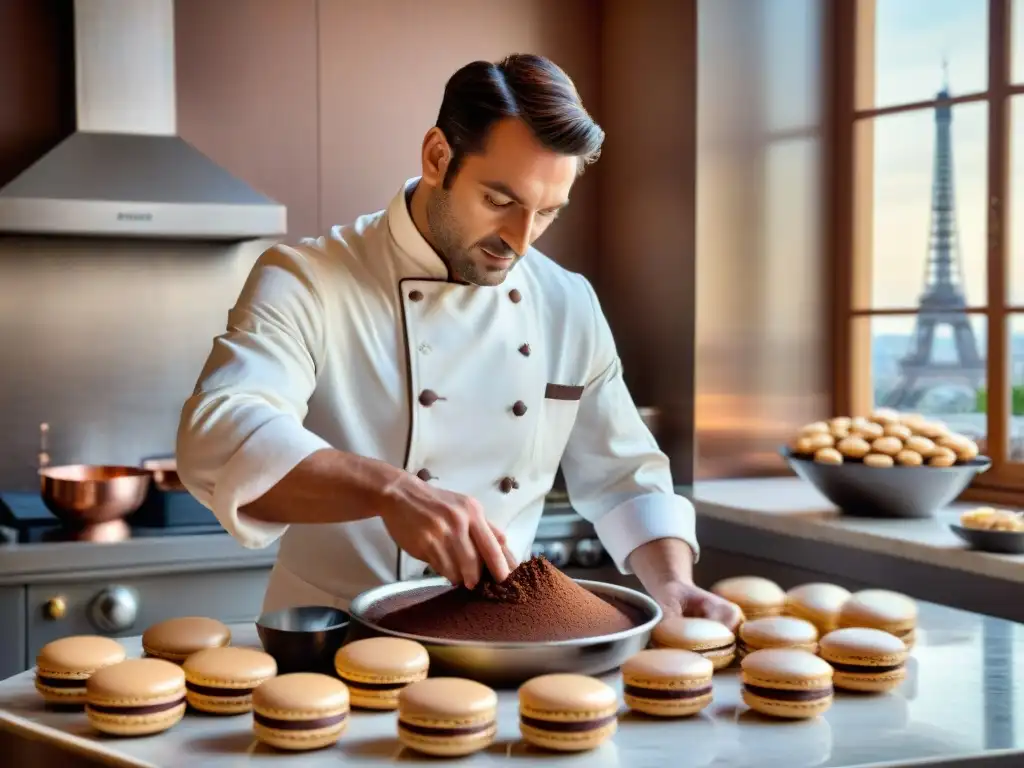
x=445 y=232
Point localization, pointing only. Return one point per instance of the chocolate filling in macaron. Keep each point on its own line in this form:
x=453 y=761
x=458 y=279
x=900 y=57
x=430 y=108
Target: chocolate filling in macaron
x=311 y=724
x=665 y=694
x=571 y=726
x=61 y=682
x=788 y=695
x=864 y=669
x=468 y=730
x=357 y=684
x=148 y=709
x=212 y=690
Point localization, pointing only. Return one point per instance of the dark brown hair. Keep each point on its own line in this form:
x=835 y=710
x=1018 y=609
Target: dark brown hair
x=522 y=85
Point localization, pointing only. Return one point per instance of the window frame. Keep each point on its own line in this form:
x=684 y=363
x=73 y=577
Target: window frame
x=850 y=34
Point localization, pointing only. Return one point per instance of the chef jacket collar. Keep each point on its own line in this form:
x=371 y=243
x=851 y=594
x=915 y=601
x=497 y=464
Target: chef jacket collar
x=408 y=238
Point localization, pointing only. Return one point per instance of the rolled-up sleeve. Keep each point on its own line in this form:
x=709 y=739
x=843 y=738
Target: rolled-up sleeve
x=242 y=429
x=615 y=474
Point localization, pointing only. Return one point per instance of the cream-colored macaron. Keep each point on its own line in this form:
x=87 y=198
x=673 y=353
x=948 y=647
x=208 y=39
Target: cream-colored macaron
x=883 y=609
x=786 y=682
x=136 y=697
x=818 y=603
x=177 y=639
x=376 y=669
x=711 y=639
x=864 y=659
x=566 y=712
x=300 y=711
x=447 y=716
x=777 y=632
x=220 y=681
x=63 y=666
x=667 y=682
x=756 y=596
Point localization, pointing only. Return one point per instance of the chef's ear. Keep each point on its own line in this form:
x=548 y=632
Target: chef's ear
x=436 y=156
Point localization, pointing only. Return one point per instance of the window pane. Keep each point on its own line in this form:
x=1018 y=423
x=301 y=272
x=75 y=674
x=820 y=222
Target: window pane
x=1016 y=430
x=791 y=63
x=912 y=40
x=927 y=197
x=936 y=369
x=1016 y=212
x=1017 y=21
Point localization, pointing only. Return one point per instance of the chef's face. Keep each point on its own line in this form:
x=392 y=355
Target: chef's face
x=499 y=202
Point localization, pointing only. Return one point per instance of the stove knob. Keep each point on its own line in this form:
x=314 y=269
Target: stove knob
x=114 y=609
x=539 y=549
x=588 y=553
x=557 y=554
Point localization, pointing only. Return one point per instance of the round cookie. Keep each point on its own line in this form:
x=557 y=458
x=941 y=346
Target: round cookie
x=300 y=711
x=711 y=639
x=220 y=681
x=447 y=716
x=786 y=683
x=177 y=639
x=864 y=659
x=136 y=697
x=567 y=712
x=667 y=682
x=883 y=609
x=755 y=596
x=817 y=603
x=777 y=632
x=63 y=666
x=376 y=669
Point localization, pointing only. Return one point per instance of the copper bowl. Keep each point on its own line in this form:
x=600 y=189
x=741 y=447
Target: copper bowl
x=85 y=495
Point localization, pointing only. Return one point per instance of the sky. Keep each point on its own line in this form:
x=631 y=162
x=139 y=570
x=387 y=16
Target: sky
x=913 y=38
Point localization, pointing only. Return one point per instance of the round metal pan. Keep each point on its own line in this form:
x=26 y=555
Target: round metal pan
x=504 y=665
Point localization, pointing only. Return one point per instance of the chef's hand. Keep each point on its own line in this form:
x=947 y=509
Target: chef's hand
x=447 y=531
x=665 y=568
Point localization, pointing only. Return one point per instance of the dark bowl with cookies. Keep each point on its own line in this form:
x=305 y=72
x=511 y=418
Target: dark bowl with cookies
x=903 y=491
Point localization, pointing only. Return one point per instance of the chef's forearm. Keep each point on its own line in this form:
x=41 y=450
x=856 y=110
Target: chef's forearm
x=662 y=560
x=328 y=486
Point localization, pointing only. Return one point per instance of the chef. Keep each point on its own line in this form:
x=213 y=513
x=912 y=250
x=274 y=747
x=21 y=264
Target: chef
x=399 y=393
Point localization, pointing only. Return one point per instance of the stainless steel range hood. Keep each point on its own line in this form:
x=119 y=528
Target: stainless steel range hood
x=125 y=172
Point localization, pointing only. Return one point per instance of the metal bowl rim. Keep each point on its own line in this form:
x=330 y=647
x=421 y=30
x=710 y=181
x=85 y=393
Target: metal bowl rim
x=52 y=473
x=978 y=462
x=638 y=599
x=342 y=625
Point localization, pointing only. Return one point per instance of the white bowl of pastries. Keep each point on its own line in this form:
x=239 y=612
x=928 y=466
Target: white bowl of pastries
x=992 y=530
x=886 y=464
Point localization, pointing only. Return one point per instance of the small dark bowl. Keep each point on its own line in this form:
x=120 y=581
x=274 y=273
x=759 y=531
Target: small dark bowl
x=999 y=542
x=304 y=638
x=863 y=491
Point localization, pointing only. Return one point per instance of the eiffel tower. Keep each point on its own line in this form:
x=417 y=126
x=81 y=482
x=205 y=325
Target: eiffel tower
x=942 y=303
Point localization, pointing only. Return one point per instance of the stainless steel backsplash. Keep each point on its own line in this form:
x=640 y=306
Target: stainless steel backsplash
x=104 y=340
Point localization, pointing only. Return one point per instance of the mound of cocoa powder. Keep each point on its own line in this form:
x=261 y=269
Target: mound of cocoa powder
x=536 y=603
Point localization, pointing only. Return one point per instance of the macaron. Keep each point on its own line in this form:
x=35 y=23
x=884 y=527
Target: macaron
x=817 y=603
x=567 y=712
x=777 y=632
x=756 y=596
x=883 y=609
x=786 y=683
x=711 y=639
x=667 y=682
x=136 y=697
x=376 y=669
x=864 y=659
x=447 y=716
x=220 y=681
x=177 y=639
x=300 y=711
x=63 y=666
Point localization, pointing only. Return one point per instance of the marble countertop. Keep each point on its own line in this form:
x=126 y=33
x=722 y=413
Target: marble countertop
x=963 y=701
x=793 y=507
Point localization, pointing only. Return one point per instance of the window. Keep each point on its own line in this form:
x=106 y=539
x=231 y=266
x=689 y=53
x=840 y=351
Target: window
x=928 y=217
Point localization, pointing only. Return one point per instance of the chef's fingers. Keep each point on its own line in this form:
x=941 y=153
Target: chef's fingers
x=442 y=562
x=464 y=554
x=490 y=549
x=500 y=536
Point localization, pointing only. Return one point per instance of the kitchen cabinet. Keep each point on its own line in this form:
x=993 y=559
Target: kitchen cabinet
x=13 y=634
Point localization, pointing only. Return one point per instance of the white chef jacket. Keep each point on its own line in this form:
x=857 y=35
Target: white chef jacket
x=359 y=340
